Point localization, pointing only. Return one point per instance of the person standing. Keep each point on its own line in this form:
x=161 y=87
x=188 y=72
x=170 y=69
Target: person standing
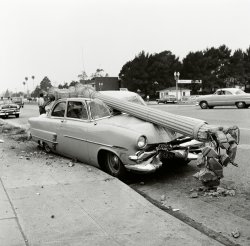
x=49 y=103
x=40 y=103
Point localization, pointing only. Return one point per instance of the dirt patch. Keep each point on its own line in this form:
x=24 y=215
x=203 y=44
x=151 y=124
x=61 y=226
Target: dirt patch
x=14 y=132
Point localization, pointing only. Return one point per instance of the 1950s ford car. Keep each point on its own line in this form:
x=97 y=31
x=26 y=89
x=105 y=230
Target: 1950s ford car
x=89 y=131
x=225 y=97
x=7 y=108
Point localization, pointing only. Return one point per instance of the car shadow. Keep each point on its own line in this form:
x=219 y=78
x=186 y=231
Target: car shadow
x=170 y=172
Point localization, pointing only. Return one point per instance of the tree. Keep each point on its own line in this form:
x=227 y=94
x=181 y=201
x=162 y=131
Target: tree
x=24 y=85
x=45 y=84
x=36 y=92
x=134 y=73
x=83 y=75
x=7 y=94
x=211 y=66
x=99 y=73
x=33 y=78
x=144 y=70
x=237 y=69
x=64 y=86
x=73 y=83
x=247 y=68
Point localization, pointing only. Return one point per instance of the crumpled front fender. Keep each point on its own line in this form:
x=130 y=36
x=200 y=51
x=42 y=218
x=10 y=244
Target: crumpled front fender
x=155 y=156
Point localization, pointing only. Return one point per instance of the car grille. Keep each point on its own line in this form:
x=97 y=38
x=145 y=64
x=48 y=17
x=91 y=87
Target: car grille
x=8 y=106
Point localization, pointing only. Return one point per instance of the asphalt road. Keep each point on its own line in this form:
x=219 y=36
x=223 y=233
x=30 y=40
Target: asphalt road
x=171 y=186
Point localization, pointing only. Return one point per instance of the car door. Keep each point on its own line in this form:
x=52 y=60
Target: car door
x=229 y=98
x=97 y=133
x=218 y=98
x=73 y=131
x=53 y=124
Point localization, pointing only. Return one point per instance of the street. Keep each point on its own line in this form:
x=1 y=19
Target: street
x=171 y=186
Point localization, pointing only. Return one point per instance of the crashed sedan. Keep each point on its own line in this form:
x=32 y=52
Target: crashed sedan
x=87 y=130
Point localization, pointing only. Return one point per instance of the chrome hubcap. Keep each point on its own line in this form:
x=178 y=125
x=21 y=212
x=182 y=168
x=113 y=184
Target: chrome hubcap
x=114 y=163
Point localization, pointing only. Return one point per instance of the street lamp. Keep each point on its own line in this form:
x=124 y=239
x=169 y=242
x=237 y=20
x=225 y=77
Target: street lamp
x=155 y=85
x=176 y=77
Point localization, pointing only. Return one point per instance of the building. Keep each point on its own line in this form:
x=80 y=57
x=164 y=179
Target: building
x=182 y=92
x=103 y=83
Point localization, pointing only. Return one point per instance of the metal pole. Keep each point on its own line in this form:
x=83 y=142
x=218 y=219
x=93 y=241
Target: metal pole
x=176 y=78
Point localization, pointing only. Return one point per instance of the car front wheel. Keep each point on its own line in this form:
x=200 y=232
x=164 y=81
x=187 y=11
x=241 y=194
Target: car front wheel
x=46 y=148
x=203 y=105
x=240 y=105
x=17 y=115
x=114 y=165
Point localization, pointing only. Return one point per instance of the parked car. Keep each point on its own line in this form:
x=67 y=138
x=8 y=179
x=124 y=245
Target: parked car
x=7 y=108
x=87 y=130
x=18 y=100
x=225 y=97
x=167 y=99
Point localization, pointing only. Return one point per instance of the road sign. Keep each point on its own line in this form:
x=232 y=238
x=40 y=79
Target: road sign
x=189 y=81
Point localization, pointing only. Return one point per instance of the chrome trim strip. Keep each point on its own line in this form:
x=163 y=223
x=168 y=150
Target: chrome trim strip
x=44 y=139
x=88 y=141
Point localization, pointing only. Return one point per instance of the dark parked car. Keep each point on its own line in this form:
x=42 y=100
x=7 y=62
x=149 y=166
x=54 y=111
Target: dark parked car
x=167 y=99
x=7 y=107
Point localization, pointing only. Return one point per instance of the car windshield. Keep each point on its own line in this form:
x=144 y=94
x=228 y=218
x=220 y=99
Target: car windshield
x=135 y=99
x=98 y=109
x=17 y=99
x=5 y=102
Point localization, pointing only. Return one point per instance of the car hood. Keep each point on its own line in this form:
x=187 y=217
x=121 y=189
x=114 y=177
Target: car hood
x=9 y=105
x=154 y=133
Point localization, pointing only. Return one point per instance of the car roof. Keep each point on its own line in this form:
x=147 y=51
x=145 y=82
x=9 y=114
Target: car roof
x=229 y=89
x=118 y=94
x=74 y=99
x=123 y=95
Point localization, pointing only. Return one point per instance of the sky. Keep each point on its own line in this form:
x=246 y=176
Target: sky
x=61 y=38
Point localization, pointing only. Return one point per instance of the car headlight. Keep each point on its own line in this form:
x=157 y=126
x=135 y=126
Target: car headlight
x=142 y=142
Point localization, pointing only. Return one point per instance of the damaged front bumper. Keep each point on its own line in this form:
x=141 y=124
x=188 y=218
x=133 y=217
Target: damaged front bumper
x=155 y=156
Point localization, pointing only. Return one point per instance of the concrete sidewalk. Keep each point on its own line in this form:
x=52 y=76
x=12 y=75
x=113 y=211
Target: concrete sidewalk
x=46 y=201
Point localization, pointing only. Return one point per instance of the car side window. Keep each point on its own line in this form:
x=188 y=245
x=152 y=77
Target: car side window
x=77 y=110
x=220 y=92
x=228 y=93
x=59 y=110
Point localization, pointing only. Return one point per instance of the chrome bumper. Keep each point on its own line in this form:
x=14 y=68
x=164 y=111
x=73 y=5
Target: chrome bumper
x=3 y=113
x=150 y=161
x=146 y=166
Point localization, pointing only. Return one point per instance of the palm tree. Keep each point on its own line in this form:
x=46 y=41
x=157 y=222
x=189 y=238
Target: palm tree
x=26 y=78
x=24 y=86
x=33 y=78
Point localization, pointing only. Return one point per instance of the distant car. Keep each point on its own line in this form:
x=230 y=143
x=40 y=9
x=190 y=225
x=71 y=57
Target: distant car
x=87 y=130
x=167 y=99
x=18 y=100
x=225 y=97
x=7 y=108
